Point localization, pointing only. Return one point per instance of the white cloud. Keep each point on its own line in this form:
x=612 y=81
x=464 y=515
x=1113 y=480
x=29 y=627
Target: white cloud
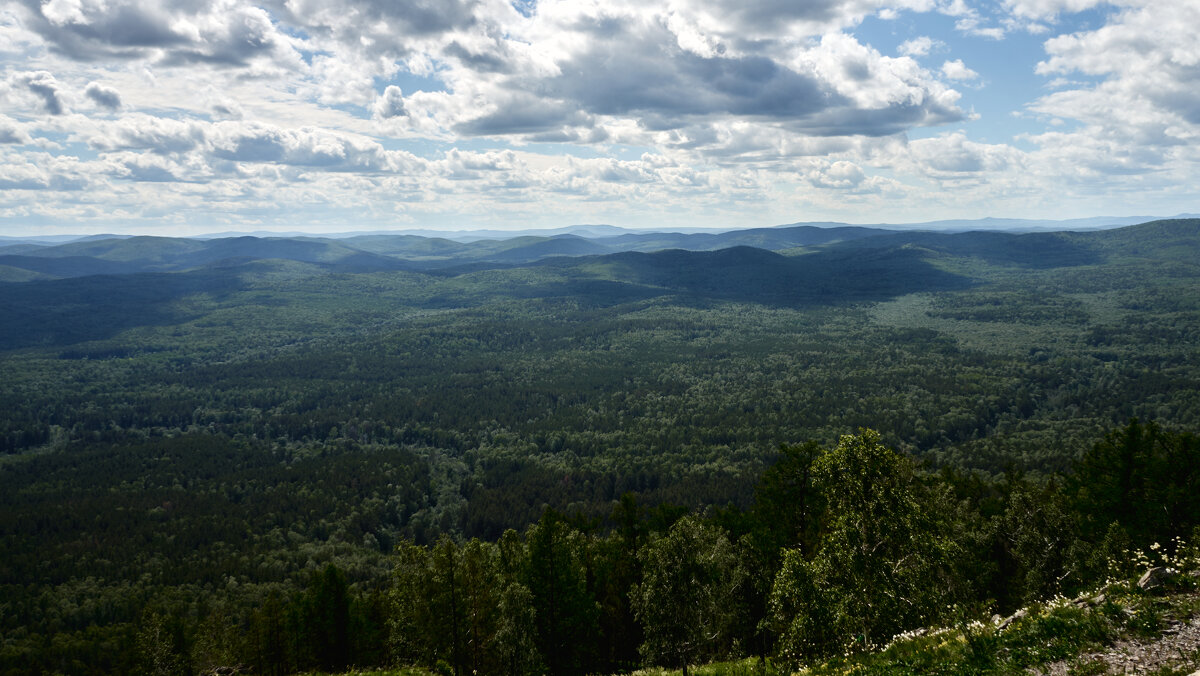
x=1146 y=70
x=41 y=171
x=709 y=110
x=139 y=131
x=953 y=155
x=145 y=167
x=919 y=46
x=741 y=22
x=105 y=97
x=38 y=89
x=13 y=132
x=957 y=70
x=223 y=33
x=390 y=104
x=841 y=175
x=1049 y=9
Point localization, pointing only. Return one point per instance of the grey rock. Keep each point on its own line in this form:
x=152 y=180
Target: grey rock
x=1013 y=618
x=1155 y=577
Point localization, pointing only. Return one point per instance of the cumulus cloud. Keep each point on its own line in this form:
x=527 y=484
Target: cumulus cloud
x=40 y=86
x=139 y=131
x=957 y=70
x=226 y=109
x=105 y=97
x=558 y=70
x=1048 y=9
x=744 y=22
x=217 y=32
x=643 y=67
x=40 y=171
x=255 y=142
x=841 y=175
x=390 y=104
x=954 y=155
x=969 y=20
x=232 y=108
x=12 y=132
x=1146 y=72
x=144 y=168
x=919 y=46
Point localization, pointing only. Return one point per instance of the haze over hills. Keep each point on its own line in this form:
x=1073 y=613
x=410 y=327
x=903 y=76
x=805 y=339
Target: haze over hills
x=121 y=282
x=597 y=231
x=603 y=230
x=381 y=252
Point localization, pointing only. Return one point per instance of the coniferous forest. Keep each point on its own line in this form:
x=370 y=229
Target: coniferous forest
x=576 y=456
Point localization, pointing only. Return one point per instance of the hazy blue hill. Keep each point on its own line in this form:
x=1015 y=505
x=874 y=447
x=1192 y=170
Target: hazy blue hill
x=65 y=266
x=1029 y=250
x=1177 y=240
x=1165 y=241
x=774 y=239
x=129 y=249
x=491 y=249
x=302 y=250
x=756 y=275
x=434 y=252
x=532 y=249
x=165 y=254
x=12 y=274
x=464 y=236
x=848 y=268
x=835 y=255
x=406 y=246
x=67 y=311
x=20 y=248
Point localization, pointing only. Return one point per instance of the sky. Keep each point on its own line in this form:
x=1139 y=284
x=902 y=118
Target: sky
x=181 y=117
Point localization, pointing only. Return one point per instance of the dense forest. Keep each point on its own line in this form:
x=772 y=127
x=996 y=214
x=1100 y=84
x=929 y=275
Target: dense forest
x=306 y=453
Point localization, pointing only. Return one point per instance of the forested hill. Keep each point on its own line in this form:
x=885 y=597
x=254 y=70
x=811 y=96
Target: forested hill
x=135 y=281
x=126 y=255
x=190 y=428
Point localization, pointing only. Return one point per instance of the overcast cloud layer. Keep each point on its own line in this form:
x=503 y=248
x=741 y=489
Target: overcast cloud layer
x=188 y=116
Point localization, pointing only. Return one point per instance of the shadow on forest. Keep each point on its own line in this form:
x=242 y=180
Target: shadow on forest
x=68 y=311
x=746 y=274
x=1035 y=250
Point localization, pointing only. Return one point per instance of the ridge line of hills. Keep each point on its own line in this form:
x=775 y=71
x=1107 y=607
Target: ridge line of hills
x=372 y=253
x=605 y=230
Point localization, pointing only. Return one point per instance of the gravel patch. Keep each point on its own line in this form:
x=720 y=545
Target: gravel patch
x=1178 y=648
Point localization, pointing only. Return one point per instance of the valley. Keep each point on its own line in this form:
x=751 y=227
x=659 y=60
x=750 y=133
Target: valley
x=193 y=427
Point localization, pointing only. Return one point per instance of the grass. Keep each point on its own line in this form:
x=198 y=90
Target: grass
x=751 y=666
x=1060 y=630
x=403 y=671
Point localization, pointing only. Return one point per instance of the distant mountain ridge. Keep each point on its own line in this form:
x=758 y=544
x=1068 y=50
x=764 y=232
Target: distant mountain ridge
x=807 y=246
x=89 y=290
x=593 y=231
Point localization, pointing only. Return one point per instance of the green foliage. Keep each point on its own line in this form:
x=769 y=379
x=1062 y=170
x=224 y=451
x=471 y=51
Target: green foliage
x=787 y=505
x=751 y=666
x=802 y=613
x=1036 y=542
x=557 y=576
x=203 y=444
x=326 y=620
x=1144 y=478
x=977 y=649
x=159 y=647
x=516 y=631
x=686 y=601
x=876 y=571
